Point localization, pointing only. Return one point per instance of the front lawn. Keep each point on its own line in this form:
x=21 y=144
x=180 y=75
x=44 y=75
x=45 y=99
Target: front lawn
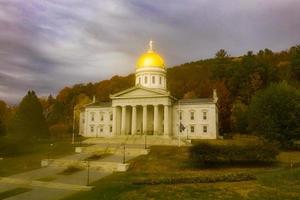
x=27 y=155
x=277 y=182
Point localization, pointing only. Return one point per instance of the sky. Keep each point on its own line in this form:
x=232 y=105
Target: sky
x=46 y=45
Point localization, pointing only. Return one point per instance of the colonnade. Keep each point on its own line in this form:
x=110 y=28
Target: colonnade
x=141 y=119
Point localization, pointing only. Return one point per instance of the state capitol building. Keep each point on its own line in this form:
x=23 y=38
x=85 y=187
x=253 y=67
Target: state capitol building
x=149 y=108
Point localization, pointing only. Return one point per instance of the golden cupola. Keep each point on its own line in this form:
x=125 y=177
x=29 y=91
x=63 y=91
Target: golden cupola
x=150 y=70
x=150 y=59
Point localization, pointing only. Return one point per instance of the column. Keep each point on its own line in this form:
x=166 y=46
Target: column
x=145 y=119
x=166 y=120
x=123 y=120
x=155 y=123
x=133 y=121
x=114 y=122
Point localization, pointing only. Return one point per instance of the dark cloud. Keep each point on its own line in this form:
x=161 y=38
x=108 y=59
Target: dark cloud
x=46 y=45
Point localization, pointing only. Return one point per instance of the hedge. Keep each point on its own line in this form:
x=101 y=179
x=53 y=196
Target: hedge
x=231 y=177
x=216 y=154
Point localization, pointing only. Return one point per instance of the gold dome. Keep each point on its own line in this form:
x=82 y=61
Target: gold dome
x=150 y=59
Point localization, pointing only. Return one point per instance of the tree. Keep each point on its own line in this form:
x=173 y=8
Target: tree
x=295 y=62
x=29 y=121
x=220 y=67
x=3 y=118
x=275 y=113
x=239 y=117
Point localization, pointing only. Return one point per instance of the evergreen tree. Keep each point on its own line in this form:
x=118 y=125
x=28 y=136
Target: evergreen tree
x=29 y=121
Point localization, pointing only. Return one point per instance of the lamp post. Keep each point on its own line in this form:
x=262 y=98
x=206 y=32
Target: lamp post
x=145 y=139
x=88 y=173
x=124 y=154
x=49 y=150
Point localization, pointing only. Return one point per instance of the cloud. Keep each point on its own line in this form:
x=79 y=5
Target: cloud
x=46 y=45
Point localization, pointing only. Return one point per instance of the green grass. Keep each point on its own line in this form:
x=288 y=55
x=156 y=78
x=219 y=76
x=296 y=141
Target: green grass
x=277 y=182
x=29 y=155
x=13 y=192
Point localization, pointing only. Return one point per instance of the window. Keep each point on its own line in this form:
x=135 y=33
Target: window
x=92 y=129
x=204 y=115
x=101 y=117
x=146 y=79
x=192 y=115
x=139 y=80
x=204 y=129
x=111 y=117
x=180 y=115
x=153 y=79
x=110 y=128
x=192 y=128
x=160 y=80
x=92 y=117
x=101 y=129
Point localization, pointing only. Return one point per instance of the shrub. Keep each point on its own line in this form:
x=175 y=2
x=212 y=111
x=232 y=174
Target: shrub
x=206 y=154
x=59 y=130
x=71 y=170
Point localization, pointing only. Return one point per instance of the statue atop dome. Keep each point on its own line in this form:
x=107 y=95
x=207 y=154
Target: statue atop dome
x=150 y=46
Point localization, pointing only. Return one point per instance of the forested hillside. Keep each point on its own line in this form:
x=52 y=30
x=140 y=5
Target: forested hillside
x=237 y=80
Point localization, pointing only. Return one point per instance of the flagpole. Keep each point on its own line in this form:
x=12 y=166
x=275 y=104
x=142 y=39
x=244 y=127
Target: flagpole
x=179 y=124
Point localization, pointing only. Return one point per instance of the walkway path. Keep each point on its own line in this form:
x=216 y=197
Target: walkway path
x=48 y=183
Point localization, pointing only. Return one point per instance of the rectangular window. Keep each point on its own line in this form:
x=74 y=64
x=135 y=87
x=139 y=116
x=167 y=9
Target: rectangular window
x=192 y=116
x=110 y=129
x=160 y=80
x=204 y=115
x=146 y=79
x=180 y=115
x=204 y=129
x=139 y=80
x=111 y=117
x=192 y=128
x=153 y=79
x=101 y=129
x=92 y=117
x=101 y=117
x=92 y=129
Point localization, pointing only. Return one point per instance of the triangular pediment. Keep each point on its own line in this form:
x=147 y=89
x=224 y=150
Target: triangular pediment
x=139 y=91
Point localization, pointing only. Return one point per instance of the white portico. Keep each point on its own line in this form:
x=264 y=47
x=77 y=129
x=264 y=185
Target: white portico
x=149 y=108
x=140 y=110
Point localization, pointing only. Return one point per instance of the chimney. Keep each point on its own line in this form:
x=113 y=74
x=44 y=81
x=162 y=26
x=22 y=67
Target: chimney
x=215 y=96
